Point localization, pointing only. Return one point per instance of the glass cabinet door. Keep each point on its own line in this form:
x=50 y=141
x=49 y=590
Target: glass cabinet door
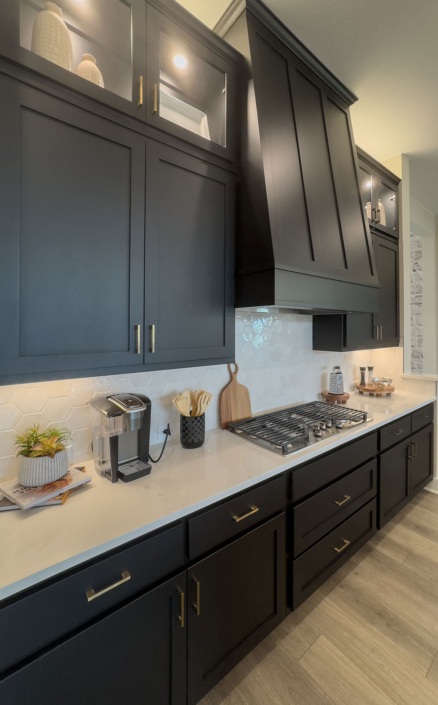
x=386 y=213
x=94 y=46
x=190 y=87
x=366 y=191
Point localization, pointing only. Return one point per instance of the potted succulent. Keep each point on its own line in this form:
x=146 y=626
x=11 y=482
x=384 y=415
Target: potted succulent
x=43 y=455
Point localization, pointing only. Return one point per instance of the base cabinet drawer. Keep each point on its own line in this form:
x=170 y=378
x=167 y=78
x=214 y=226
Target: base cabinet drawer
x=236 y=596
x=317 y=516
x=136 y=655
x=320 y=562
x=395 y=432
x=230 y=519
x=36 y=621
x=422 y=417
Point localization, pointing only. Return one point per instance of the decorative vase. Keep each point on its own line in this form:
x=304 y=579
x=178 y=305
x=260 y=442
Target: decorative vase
x=51 y=38
x=382 y=220
x=87 y=69
x=34 y=472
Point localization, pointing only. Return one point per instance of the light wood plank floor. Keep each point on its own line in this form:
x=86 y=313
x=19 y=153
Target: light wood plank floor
x=369 y=636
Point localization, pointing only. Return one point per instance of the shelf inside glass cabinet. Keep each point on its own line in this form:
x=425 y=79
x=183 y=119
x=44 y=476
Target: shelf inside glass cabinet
x=192 y=91
x=92 y=38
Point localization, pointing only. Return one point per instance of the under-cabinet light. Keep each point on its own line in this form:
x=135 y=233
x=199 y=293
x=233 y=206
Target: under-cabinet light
x=180 y=61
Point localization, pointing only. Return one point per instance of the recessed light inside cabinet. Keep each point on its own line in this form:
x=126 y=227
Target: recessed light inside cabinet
x=180 y=61
x=369 y=184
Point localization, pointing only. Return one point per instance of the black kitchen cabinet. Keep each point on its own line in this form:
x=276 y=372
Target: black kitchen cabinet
x=72 y=264
x=404 y=471
x=365 y=331
x=135 y=655
x=189 y=258
x=236 y=596
x=380 y=195
x=300 y=206
x=112 y=32
x=191 y=84
x=421 y=459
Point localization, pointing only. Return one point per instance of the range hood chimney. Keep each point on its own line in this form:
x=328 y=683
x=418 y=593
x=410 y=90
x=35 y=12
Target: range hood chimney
x=303 y=241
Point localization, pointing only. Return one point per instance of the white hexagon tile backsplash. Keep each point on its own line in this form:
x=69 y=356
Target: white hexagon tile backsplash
x=276 y=363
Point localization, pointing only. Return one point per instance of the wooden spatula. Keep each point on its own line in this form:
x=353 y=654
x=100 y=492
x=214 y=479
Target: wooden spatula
x=235 y=403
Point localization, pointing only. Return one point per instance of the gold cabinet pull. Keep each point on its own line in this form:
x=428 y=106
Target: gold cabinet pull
x=91 y=595
x=340 y=503
x=398 y=433
x=346 y=543
x=197 y=603
x=182 y=602
x=152 y=338
x=414 y=448
x=138 y=340
x=155 y=110
x=245 y=516
x=140 y=91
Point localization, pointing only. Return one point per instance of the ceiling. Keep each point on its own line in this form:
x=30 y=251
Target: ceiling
x=387 y=53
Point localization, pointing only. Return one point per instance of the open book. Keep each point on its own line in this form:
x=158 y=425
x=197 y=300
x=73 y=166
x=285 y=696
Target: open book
x=27 y=497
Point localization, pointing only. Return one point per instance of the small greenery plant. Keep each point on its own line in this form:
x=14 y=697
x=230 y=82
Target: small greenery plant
x=37 y=444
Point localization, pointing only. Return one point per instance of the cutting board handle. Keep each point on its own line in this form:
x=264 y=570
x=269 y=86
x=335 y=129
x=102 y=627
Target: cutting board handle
x=233 y=374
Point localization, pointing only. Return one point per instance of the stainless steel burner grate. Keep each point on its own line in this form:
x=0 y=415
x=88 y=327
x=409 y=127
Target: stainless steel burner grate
x=290 y=429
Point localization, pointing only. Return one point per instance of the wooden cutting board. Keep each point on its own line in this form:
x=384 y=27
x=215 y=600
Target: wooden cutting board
x=235 y=403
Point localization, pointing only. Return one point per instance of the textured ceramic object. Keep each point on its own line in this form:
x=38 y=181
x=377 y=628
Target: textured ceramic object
x=87 y=69
x=192 y=429
x=34 y=472
x=51 y=38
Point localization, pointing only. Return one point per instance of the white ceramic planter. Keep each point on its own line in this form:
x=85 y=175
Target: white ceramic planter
x=88 y=70
x=34 y=472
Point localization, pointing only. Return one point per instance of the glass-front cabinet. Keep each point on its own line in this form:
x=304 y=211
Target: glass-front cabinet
x=96 y=47
x=191 y=87
x=379 y=197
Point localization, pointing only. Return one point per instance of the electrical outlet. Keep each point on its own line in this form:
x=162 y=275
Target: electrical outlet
x=162 y=428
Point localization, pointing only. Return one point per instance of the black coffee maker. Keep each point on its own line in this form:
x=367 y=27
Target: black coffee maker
x=121 y=433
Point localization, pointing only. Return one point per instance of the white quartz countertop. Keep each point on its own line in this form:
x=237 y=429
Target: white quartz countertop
x=40 y=543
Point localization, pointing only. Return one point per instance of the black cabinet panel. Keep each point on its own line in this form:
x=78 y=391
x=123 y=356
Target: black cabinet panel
x=236 y=596
x=41 y=617
x=136 y=655
x=422 y=459
x=71 y=270
x=422 y=417
x=312 y=569
x=395 y=432
x=315 y=517
x=189 y=258
x=387 y=266
x=394 y=481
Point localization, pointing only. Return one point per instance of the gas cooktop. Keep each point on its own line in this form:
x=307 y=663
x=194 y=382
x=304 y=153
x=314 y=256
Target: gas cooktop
x=296 y=427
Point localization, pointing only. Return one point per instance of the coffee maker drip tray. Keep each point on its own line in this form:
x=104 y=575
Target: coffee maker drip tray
x=133 y=470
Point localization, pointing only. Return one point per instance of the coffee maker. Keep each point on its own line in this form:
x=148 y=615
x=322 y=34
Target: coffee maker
x=121 y=432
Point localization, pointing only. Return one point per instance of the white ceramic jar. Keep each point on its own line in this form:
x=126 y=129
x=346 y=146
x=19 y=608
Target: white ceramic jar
x=34 y=472
x=87 y=69
x=51 y=38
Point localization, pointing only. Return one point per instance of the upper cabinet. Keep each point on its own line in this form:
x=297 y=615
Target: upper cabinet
x=303 y=240
x=97 y=47
x=379 y=191
x=155 y=62
x=191 y=87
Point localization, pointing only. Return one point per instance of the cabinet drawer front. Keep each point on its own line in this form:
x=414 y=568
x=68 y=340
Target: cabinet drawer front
x=320 y=562
x=315 y=517
x=313 y=476
x=422 y=417
x=215 y=526
x=33 y=622
x=395 y=432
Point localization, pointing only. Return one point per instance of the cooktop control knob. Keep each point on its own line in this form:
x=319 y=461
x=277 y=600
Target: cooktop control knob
x=328 y=423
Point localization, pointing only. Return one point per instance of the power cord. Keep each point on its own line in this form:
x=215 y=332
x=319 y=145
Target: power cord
x=167 y=433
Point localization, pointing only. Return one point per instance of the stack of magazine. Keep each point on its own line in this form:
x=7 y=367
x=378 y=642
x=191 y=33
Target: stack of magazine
x=16 y=496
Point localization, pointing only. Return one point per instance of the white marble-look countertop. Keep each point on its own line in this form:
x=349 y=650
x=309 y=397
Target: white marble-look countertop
x=40 y=543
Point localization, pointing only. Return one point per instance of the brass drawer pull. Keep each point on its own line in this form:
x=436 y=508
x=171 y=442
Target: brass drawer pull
x=245 y=516
x=182 y=608
x=153 y=339
x=140 y=91
x=423 y=418
x=346 y=543
x=197 y=603
x=91 y=595
x=397 y=433
x=138 y=340
x=414 y=450
x=347 y=497
x=155 y=109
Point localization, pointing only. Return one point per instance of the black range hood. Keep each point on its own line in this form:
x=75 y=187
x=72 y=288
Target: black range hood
x=303 y=241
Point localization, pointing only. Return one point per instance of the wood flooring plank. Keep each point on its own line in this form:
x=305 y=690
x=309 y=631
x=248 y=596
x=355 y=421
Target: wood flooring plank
x=339 y=677
x=390 y=546
x=433 y=671
x=388 y=666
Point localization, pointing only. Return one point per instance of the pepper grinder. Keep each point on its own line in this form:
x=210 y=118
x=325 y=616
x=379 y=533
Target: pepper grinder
x=363 y=381
x=370 y=376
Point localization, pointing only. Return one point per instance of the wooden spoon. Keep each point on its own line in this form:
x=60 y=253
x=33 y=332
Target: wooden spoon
x=197 y=395
x=181 y=405
x=187 y=394
x=204 y=403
